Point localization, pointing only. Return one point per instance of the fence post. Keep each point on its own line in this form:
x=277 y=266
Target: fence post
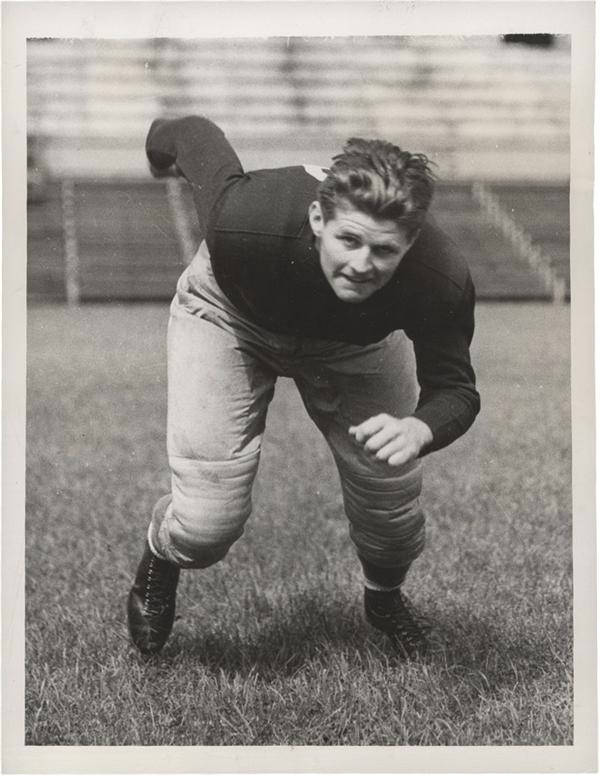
x=72 y=287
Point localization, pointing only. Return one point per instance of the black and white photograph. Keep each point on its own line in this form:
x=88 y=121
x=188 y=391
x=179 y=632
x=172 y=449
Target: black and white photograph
x=299 y=303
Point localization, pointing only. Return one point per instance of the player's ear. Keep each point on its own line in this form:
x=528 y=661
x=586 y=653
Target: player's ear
x=315 y=218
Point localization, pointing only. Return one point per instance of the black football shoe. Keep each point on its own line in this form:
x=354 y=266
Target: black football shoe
x=392 y=613
x=151 y=604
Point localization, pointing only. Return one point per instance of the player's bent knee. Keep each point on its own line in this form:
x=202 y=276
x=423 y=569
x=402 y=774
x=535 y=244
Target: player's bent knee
x=385 y=496
x=194 y=548
x=210 y=506
x=387 y=524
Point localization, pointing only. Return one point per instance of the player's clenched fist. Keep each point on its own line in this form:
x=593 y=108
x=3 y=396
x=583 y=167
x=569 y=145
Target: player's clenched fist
x=392 y=440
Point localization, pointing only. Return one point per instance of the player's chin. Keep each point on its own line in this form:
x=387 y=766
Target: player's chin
x=354 y=293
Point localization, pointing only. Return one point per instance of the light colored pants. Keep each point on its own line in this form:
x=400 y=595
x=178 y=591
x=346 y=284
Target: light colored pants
x=222 y=373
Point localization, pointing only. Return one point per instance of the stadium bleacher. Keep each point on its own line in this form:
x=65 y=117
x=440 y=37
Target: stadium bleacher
x=482 y=109
x=449 y=97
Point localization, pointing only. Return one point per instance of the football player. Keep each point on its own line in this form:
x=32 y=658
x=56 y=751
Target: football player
x=340 y=280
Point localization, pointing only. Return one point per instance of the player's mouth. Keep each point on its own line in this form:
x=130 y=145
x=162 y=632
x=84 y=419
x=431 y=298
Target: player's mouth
x=356 y=280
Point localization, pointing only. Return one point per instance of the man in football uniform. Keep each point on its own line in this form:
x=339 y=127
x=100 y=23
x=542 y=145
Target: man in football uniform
x=338 y=279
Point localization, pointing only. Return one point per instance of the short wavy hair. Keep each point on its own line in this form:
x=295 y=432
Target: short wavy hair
x=380 y=179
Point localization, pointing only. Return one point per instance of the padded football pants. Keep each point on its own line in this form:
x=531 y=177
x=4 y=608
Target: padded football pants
x=222 y=370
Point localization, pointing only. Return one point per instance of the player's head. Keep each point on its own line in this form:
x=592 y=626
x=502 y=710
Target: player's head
x=381 y=180
x=369 y=211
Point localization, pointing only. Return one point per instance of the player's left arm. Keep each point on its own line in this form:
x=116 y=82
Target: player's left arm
x=448 y=400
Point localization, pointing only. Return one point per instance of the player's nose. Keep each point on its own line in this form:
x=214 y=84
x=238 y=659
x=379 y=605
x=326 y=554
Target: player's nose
x=360 y=263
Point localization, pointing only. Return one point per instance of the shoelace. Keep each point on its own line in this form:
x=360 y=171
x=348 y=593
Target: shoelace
x=158 y=593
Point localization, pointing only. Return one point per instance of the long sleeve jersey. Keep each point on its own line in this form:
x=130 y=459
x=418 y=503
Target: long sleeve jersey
x=265 y=260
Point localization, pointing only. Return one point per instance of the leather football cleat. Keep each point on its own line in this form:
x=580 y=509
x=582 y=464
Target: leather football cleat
x=391 y=613
x=151 y=603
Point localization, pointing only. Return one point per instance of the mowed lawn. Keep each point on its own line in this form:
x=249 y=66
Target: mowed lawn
x=270 y=647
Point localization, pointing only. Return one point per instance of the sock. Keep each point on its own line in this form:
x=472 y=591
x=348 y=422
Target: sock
x=155 y=523
x=381 y=579
x=374 y=587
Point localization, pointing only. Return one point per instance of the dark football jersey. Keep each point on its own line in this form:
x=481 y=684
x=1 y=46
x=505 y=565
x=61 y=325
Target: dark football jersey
x=265 y=260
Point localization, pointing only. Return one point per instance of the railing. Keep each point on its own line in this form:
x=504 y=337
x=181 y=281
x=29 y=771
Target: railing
x=521 y=241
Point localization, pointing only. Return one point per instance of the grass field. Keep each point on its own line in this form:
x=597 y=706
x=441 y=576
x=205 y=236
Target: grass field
x=270 y=646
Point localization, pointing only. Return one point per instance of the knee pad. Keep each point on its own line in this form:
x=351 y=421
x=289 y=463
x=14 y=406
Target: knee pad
x=211 y=502
x=386 y=522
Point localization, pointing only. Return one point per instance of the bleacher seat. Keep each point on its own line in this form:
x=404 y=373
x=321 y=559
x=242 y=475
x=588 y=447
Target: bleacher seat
x=473 y=101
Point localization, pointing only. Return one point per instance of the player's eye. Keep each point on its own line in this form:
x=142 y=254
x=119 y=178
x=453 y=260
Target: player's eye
x=384 y=250
x=349 y=240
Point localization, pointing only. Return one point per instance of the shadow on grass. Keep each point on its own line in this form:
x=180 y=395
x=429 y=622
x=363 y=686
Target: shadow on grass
x=276 y=645
x=496 y=657
x=282 y=643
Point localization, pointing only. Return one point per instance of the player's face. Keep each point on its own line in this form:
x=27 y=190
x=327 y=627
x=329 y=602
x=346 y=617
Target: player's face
x=359 y=254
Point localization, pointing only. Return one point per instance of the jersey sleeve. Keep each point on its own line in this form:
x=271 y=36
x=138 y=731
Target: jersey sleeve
x=449 y=400
x=201 y=153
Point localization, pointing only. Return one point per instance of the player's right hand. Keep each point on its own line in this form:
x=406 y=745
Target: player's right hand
x=161 y=157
